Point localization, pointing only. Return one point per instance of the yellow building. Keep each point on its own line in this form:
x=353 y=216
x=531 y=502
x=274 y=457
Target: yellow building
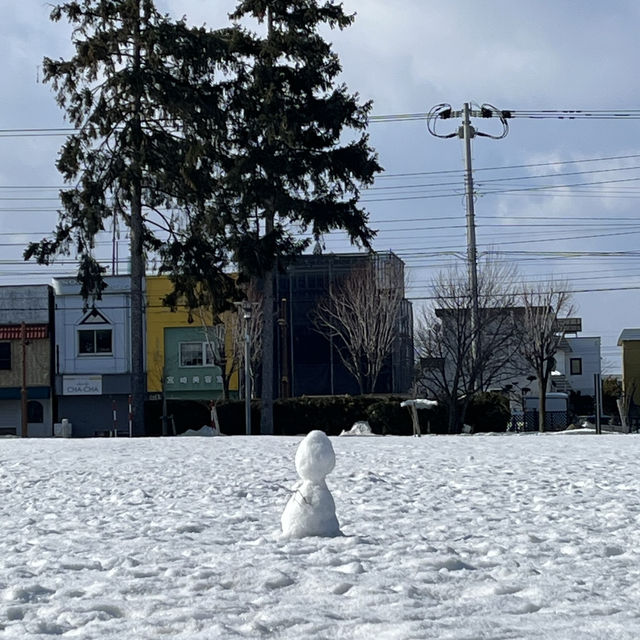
x=183 y=348
x=629 y=340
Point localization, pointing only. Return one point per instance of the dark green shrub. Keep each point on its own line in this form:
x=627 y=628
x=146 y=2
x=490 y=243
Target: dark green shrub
x=434 y=420
x=488 y=412
x=231 y=416
x=331 y=414
x=185 y=414
x=388 y=417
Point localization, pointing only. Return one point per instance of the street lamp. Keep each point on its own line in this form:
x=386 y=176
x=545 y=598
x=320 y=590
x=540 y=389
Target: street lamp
x=523 y=393
x=517 y=393
x=247 y=308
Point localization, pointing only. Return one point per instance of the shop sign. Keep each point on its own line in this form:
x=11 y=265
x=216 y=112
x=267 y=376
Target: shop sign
x=81 y=385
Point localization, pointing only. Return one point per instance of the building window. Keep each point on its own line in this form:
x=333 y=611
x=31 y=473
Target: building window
x=5 y=356
x=575 y=366
x=94 y=341
x=196 y=354
x=35 y=411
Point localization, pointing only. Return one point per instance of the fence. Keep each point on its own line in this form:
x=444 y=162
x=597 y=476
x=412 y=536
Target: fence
x=554 y=421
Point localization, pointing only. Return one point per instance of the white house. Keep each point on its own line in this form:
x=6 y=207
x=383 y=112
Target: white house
x=577 y=362
x=93 y=356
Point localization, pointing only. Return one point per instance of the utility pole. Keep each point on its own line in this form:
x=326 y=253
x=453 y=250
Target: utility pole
x=597 y=400
x=23 y=391
x=466 y=132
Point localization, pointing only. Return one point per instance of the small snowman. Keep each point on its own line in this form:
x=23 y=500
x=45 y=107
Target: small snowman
x=311 y=510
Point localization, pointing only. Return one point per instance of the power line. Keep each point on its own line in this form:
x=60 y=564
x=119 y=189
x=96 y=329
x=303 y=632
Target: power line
x=458 y=172
x=578 y=114
x=422 y=173
x=559 y=114
x=512 y=166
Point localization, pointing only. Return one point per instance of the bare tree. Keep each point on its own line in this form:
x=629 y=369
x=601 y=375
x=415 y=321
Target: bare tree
x=215 y=332
x=543 y=331
x=623 y=403
x=236 y=328
x=459 y=357
x=360 y=314
x=254 y=327
x=222 y=327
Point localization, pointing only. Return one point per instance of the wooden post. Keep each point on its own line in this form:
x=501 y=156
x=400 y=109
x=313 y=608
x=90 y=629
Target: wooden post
x=416 y=422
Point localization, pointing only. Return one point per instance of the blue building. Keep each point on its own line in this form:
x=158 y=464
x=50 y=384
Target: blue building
x=313 y=365
x=93 y=356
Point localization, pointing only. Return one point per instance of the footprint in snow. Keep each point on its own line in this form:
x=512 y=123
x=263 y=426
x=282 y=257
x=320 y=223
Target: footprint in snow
x=341 y=588
x=278 y=581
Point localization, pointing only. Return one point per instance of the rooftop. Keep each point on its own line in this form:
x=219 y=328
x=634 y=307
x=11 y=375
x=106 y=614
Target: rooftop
x=628 y=335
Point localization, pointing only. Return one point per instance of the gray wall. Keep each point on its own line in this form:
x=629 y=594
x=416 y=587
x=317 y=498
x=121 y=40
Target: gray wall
x=28 y=303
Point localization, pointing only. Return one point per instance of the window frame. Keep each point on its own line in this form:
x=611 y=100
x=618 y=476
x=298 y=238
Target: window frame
x=577 y=369
x=5 y=359
x=35 y=412
x=94 y=331
x=207 y=359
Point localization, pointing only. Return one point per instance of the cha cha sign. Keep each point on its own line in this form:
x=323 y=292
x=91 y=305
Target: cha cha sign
x=81 y=385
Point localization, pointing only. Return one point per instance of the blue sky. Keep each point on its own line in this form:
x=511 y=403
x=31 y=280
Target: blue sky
x=408 y=56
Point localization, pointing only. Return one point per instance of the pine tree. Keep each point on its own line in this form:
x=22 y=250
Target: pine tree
x=291 y=174
x=145 y=96
x=242 y=135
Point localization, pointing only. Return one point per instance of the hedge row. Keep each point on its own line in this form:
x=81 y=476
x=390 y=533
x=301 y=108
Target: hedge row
x=332 y=414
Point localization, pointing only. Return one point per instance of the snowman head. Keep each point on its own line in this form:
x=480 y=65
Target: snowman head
x=315 y=457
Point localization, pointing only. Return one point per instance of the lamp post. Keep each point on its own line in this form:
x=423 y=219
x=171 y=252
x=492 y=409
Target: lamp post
x=246 y=316
x=523 y=393
x=518 y=394
x=284 y=357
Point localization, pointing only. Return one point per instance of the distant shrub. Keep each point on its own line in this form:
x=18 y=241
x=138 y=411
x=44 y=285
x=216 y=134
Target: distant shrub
x=331 y=414
x=231 y=416
x=184 y=414
x=488 y=412
x=388 y=417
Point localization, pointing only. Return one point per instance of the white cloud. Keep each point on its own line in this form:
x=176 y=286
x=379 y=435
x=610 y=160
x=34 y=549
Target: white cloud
x=409 y=55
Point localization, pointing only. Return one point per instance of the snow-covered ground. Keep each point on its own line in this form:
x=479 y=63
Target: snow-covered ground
x=506 y=537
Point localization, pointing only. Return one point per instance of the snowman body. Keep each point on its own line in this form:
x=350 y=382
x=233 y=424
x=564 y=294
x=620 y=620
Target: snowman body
x=311 y=510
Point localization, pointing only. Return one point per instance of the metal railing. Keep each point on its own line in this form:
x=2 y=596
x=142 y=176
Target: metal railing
x=554 y=421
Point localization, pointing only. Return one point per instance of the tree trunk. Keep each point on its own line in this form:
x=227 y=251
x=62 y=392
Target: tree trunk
x=225 y=384
x=623 y=410
x=542 y=406
x=266 y=395
x=453 y=418
x=137 y=270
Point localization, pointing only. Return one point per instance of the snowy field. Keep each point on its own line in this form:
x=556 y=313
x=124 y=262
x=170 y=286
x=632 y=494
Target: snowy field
x=504 y=537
